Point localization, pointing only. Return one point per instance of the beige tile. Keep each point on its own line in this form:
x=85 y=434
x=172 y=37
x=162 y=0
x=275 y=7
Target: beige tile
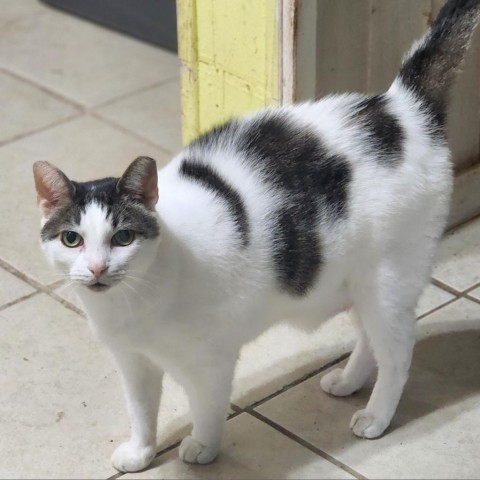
x=475 y=293
x=60 y=397
x=12 y=12
x=12 y=287
x=435 y=432
x=155 y=114
x=459 y=257
x=432 y=298
x=283 y=355
x=174 y=421
x=250 y=449
x=67 y=292
x=79 y=59
x=84 y=148
x=26 y=108
x=61 y=403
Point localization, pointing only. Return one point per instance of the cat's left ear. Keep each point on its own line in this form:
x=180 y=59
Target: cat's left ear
x=140 y=181
x=54 y=189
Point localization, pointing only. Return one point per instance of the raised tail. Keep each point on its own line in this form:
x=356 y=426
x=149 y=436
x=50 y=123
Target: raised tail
x=431 y=65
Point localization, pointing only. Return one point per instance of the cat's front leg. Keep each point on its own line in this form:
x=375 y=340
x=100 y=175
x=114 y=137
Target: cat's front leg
x=142 y=381
x=209 y=396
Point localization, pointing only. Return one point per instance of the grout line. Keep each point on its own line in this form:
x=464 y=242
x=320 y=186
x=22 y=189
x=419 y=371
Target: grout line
x=124 y=96
x=454 y=291
x=457 y=293
x=78 y=105
x=236 y=408
x=20 y=299
x=116 y=475
x=296 y=382
x=54 y=285
x=41 y=87
x=472 y=299
x=39 y=287
x=445 y=287
x=458 y=227
x=469 y=289
x=305 y=444
x=22 y=276
x=176 y=444
x=75 y=103
x=65 y=303
x=85 y=110
x=236 y=413
x=433 y=310
x=123 y=129
x=41 y=129
x=165 y=450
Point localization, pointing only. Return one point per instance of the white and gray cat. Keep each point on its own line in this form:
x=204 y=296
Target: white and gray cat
x=296 y=212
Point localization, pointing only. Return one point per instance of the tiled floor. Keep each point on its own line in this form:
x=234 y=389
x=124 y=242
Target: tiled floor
x=91 y=100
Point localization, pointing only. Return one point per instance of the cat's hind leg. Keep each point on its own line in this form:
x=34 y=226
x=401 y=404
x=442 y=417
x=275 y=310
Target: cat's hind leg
x=387 y=313
x=142 y=384
x=342 y=382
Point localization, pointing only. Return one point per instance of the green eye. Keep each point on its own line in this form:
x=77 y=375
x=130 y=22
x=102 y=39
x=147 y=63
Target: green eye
x=123 y=238
x=71 y=239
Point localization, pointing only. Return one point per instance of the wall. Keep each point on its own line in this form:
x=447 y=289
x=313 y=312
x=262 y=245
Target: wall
x=360 y=46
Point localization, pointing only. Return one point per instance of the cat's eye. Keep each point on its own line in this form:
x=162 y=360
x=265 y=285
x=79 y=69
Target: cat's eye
x=123 y=238
x=71 y=239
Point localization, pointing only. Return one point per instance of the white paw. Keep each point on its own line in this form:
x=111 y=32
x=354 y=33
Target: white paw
x=192 y=451
x=365 y=424
x=132 y=458
x=334 y=384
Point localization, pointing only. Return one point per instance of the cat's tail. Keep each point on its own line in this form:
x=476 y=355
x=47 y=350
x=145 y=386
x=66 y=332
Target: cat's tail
x=431 y=64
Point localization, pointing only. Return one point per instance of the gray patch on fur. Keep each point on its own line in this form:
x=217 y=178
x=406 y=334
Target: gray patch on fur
x=126 y=213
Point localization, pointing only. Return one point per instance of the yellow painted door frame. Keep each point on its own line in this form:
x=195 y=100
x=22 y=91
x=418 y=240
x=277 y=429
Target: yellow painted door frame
x=229 y=51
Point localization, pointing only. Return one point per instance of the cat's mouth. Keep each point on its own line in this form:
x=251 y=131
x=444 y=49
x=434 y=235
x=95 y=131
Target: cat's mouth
x=98 y=287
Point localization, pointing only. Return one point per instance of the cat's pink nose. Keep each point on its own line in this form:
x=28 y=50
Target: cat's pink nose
x=98 y=269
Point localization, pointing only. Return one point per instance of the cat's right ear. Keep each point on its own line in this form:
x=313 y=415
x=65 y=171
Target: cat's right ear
x=54 y=189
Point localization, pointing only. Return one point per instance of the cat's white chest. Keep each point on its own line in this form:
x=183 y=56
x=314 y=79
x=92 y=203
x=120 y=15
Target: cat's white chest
x=122 y=318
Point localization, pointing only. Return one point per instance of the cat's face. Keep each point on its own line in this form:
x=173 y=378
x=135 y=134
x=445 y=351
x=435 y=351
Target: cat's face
x=103 y=232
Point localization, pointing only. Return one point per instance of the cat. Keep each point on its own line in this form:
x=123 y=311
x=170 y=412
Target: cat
x=300 y=211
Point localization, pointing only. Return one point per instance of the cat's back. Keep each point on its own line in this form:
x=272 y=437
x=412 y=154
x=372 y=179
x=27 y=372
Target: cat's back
x=289 y=190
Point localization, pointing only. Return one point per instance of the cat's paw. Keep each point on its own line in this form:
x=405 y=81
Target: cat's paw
x=192 y=451
x=366 y=424
x=334 y=384
x=132 y=458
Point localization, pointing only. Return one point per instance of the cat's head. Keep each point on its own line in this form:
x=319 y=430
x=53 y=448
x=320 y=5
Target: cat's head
x=101 y=232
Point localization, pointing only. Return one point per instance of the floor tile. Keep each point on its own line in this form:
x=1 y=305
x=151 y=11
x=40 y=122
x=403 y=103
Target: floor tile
x=432 y=298
x=435 y=432
x=79 y=59
x=459 y=257
x=12 y=12
x=84 y=148
x=475 y=293
x=12 y=287
x=250 y=449
x=26 y=108
x=155 y=114
x=60 y=398
x=283 y=354
x=278 y=357
x=61 y=403
x=67 y=292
